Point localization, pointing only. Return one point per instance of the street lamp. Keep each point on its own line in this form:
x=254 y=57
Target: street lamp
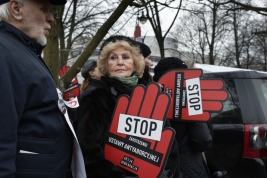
x=143 y=18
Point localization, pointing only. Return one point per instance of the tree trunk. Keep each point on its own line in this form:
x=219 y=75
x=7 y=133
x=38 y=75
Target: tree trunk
x=51 y=51
x=237 y=54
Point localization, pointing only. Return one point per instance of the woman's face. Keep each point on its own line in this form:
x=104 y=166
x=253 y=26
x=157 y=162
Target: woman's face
x=120 y=63
x=148 y=62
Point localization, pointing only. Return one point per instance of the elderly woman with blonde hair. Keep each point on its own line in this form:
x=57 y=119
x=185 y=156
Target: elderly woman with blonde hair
x=120 y=64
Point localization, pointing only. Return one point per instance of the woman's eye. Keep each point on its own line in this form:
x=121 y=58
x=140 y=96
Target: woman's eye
x=113 y=57
x=125 y=57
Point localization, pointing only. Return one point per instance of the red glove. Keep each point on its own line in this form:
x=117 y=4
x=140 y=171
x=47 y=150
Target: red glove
x=212 y=94
x=150 y=160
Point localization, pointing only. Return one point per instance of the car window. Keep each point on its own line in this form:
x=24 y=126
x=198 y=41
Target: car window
x=264 y=89
x=231 y=113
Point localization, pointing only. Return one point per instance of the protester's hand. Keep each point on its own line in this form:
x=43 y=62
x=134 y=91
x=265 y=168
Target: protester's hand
x=148 y=103
x=212 y=93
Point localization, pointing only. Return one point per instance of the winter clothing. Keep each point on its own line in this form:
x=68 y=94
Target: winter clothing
x=145 y=50
x=93 y=84
x=89 y=65
x=193 y=138
x=54 y=2
x=96 y=115
x=115 y=38
x=146 y=78
x=29 y=115
x=166 y=64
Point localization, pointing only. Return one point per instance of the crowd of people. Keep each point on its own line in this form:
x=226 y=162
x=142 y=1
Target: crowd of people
x=36 y=139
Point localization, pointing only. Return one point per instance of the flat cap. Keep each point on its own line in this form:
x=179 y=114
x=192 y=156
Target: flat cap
x=54 y=2
x=88 y=65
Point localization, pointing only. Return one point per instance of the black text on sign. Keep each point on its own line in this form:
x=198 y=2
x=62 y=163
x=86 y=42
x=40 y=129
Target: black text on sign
x=194 y=96
x=140 y=127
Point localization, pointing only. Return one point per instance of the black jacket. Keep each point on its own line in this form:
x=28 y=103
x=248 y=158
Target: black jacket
x=93 y=84
x=29 y=116
x=193 y=138
x=96 y=114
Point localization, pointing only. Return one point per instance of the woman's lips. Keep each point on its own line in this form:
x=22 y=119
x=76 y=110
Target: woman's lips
x=120 y=70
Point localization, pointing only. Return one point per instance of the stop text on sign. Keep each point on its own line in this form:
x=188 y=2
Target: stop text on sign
x=194 y=99
x=140 y=127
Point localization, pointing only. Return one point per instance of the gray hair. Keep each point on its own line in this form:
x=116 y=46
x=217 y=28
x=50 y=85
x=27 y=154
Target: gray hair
x=4 y=12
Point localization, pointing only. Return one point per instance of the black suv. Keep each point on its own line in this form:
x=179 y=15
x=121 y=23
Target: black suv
x=240 y=143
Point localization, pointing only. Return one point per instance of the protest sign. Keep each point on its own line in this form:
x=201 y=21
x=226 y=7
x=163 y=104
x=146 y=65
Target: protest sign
x=193 y=98
x=73 y=89
x=137 y=140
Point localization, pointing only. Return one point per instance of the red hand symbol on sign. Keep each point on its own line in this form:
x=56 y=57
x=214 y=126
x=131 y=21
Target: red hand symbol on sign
x=212 y=93
x=149 y=103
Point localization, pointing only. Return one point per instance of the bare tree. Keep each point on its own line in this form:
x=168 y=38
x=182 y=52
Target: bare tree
x=153 y=8
x=59 y=29
x=191 y=39
x=207 y=26
x=240 y=34
x=51 y=54
x=248 y=6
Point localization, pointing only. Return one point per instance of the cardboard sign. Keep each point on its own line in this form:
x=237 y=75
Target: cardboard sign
x=131 y=143
x=140 y=127
x=73 y=90
x=192 y=98
x=73 y=103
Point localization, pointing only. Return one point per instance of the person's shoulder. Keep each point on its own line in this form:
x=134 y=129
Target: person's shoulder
x=94 y=94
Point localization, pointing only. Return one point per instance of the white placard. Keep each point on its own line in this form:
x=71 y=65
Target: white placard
x=73 y=103
x=77 y=162
x=140 y=127
x=194 y=99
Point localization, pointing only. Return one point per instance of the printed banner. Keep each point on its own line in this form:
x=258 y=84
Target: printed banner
x=137 y=140
x=193 y=98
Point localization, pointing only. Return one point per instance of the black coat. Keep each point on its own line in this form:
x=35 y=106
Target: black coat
x=30 y=119
x=93 y=84
x=193 y=138
x=78 y=112
x=95 y=117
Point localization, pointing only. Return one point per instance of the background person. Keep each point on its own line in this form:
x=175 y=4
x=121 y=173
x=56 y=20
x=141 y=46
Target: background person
x=91 y=81
x=91 y=76
x=146 y=52
x=120 y=64
x=193 y=138
x=35 y=139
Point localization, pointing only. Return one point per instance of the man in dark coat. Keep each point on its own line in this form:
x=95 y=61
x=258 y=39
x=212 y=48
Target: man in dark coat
x=35 y=139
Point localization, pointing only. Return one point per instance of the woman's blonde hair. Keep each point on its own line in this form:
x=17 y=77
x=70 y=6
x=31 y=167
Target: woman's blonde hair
x=139 y=62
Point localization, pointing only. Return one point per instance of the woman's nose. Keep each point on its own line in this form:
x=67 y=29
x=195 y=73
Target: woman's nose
x=120 y=61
